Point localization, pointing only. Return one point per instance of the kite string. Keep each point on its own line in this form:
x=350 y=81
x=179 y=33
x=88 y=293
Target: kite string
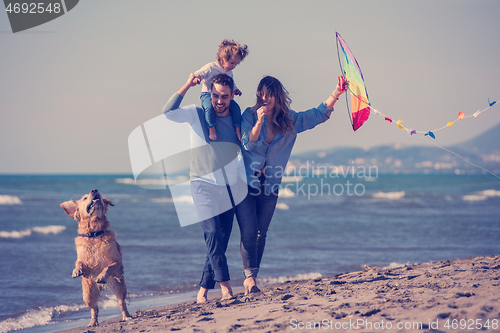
x=480 y=167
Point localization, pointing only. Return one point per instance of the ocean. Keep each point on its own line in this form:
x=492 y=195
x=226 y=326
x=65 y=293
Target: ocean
x=324 y=225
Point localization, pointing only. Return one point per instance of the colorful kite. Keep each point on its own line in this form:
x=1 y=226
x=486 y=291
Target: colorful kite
x=359 y=105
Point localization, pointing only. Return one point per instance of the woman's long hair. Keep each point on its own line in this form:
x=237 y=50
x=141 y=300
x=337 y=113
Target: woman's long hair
x=281 y=120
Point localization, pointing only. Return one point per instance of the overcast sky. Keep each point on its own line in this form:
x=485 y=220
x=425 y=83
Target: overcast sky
x=73 y=89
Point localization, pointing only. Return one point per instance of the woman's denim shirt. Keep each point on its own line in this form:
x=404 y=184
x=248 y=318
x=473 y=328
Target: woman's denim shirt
x=274 y=155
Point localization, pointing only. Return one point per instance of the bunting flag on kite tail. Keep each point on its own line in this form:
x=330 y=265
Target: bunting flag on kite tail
x=359 y=106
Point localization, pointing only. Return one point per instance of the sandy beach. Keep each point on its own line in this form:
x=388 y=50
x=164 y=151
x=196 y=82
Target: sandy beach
x=459 y=295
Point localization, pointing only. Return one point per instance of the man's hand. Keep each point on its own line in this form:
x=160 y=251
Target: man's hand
x=237 y=92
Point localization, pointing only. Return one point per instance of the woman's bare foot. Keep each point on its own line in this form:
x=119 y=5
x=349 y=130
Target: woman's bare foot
x=250 y=286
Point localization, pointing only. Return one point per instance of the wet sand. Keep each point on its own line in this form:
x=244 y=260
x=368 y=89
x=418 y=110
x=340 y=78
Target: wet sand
x=459 y=295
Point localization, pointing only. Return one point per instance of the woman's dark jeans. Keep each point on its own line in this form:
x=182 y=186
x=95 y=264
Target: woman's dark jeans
x=254 y=215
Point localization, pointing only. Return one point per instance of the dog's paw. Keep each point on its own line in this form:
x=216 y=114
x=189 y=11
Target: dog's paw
x=101 y=278
x=93 y=323
x=77 y=272
x=127 y=317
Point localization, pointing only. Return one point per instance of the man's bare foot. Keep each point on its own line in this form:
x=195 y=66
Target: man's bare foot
x=212 y=134
x=202 y=296
x=227 y=292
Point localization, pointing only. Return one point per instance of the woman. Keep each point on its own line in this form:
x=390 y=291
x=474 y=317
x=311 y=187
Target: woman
x=269 y=130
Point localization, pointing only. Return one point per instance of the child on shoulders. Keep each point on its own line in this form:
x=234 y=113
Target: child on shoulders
x=229 y=56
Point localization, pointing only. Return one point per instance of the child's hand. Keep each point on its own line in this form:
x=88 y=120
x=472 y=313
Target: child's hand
x=190 y=82
x=237 y=92
x=193 y=80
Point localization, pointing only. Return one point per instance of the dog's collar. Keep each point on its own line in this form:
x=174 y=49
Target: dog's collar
x=92 y=234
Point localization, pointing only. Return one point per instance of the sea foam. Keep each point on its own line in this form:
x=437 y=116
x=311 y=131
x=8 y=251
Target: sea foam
x=40 y=317
x=389 y=195
x=45 y=230
x=282 y=206
x=160 y=181
x=291 y=179
x=9 y=200
x=481 y=196
x=298 y=277
x=146 y=181
x=395 y=265
x=162 y=200
x=286 y=193
x=177 y=199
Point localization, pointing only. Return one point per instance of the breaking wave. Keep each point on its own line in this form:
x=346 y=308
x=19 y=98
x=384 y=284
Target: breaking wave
x=282 y=206
x=153 y=181
x=298 y=277
x=40 y=317
x=291 y=179
x=162 y=200
x=395 y=265
x=10 y=200
x=45 y=230
x=147 y=181
x=389 y=195
x=286 y=193
x=481 y=196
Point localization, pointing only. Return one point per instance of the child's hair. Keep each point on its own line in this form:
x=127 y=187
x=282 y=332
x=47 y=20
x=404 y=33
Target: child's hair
x=223 y=80
x=281 y=120
x=229 y=48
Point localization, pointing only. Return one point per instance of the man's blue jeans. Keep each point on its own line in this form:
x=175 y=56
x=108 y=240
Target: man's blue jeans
x=216 y=225
x=254 y=215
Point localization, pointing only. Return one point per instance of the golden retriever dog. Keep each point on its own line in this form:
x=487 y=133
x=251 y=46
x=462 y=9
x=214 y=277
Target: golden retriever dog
x=99 y=259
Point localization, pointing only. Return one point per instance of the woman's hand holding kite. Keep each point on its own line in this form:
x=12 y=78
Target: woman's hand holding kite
x=342 y=87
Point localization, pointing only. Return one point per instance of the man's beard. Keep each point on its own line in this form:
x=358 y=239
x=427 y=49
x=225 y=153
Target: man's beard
x=220 y=112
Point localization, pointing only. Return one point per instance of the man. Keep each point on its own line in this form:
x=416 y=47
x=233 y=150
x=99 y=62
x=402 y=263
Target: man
x=215 y=185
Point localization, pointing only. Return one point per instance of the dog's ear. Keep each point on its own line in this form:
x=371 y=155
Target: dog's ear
x=107 y=201
x=70 y=208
